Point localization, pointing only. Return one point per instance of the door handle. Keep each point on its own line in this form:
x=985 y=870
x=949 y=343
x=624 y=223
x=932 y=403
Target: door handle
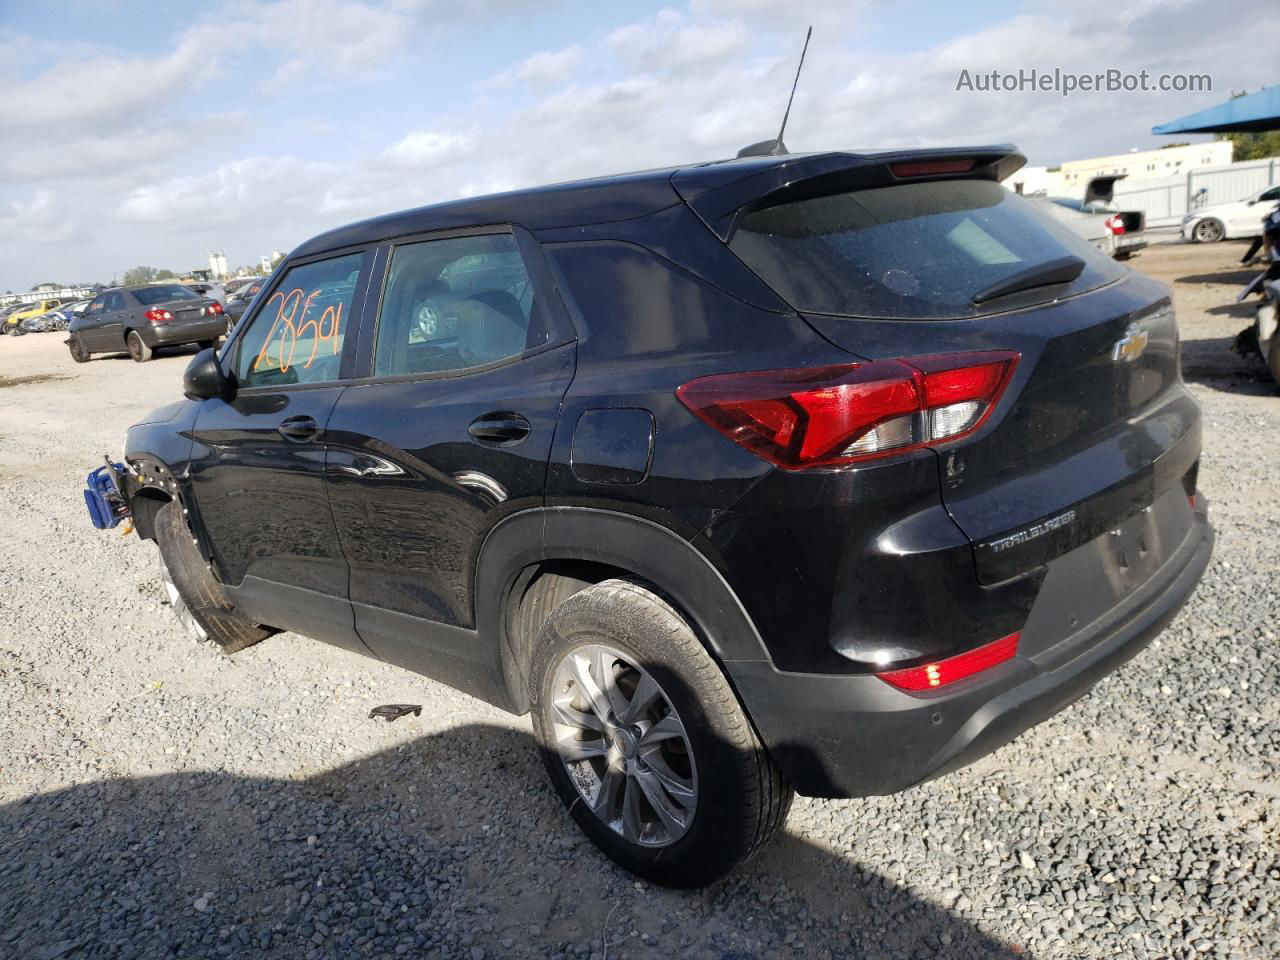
x=300 y=429
x=499 y=428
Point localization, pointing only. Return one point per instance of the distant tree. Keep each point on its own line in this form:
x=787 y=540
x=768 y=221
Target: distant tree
x=1252 y=146
x=165 y=275
x=139 y=275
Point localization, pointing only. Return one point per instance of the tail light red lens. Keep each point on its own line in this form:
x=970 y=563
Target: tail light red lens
x=156 y=316
x=931 y=168
x=828 y=416
x=214 y=309
x=930 y=676
x=1116 y=224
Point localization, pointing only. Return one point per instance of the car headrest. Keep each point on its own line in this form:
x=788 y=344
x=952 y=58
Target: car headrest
x=491 y=326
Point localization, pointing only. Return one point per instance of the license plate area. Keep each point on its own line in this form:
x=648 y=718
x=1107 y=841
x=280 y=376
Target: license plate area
x=1084 y=587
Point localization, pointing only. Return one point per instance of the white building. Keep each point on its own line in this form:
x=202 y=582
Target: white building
x=218 y=265
x=1073 y=175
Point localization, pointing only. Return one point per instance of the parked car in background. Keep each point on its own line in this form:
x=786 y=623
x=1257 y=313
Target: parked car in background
x=50 y=322
x=1230 y=221
x=237 y=302
x=34 y=309
x=235 y=283
x=1094 y=217
x=140 y=319
x=826 y=473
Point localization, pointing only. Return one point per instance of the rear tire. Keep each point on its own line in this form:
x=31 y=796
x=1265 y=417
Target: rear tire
x=1209 y=230
x=661 y=748
x=138 y=350
x=198 y=600
x=78 y=352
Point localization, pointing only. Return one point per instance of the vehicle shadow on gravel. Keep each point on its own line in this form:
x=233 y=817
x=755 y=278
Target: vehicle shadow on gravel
x=448 y=845
x=1212 y=362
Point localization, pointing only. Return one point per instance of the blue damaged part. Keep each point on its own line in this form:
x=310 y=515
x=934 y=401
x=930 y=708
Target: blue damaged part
x=106 y=503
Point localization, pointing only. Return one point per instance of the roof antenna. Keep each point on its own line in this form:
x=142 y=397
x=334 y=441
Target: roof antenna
x=775 y=147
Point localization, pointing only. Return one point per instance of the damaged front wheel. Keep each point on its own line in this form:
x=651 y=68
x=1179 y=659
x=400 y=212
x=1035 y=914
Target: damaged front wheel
x=198 y=600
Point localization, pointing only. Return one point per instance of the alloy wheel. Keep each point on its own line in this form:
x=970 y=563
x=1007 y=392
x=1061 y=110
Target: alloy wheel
x=1208 y=231
x=623 y=745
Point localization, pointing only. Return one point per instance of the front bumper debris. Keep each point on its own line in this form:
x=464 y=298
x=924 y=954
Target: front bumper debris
x=104 y=496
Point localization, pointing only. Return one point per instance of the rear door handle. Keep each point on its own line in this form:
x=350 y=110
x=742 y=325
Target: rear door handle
x=300 y=429
x=499 y=428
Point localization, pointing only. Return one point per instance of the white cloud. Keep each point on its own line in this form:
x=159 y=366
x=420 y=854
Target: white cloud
x=249 y=191
x=44 y=217
x=545 y=68
x=424 y=149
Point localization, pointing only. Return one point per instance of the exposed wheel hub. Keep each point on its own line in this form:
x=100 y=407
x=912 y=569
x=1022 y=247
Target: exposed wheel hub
x=624 y=746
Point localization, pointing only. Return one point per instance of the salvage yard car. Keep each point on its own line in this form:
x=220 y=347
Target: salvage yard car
x=826 y=473
x=1230 y=221
x=142 y=318
x=34 y=309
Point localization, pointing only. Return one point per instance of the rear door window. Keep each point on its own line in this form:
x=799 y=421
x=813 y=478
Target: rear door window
x=296 y=336
x=909 y=251
x=454 y=304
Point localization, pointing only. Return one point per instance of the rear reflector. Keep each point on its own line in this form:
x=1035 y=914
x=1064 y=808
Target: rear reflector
x=929 y=168
x=828 y=416
x=929 y=676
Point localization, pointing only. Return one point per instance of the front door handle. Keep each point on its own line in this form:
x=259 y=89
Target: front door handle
x=300 y=429
x=499 y=428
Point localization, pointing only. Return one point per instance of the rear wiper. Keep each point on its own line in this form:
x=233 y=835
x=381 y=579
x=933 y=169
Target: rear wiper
x=1062 y=270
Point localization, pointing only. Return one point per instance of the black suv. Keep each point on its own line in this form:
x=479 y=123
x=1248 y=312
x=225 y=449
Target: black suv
x=825 y=473
x=142 y=318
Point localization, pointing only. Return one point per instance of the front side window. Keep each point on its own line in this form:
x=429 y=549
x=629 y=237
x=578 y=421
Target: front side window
x=115 y=301
x=297 y=334
x=456 y=303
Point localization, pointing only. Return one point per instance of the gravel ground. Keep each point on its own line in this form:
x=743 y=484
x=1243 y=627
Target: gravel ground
x=158 y=799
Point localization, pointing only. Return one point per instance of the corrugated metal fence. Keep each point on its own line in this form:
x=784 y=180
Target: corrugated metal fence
x=1166 y=199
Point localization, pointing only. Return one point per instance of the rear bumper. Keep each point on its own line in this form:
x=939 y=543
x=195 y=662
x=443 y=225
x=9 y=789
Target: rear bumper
x=174 y=333
x=848 y=736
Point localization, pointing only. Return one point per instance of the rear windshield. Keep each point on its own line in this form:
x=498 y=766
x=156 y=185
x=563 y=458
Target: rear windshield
x=150 y=296
x=910 y=251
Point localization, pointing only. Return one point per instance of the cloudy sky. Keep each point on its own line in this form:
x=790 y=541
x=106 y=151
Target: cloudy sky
x=149 y=132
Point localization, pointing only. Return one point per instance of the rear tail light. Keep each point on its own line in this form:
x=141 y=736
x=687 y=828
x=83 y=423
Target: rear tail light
x=929 y=676
x=156 y=316
x=1116 y=224
x=214 y=309
x=826 y=416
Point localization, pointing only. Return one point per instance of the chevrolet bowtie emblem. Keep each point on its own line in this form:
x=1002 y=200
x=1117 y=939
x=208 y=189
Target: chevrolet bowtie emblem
x=1129 y=347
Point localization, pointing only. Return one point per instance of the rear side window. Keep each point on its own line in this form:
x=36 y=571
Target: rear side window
x=297 y=334
x=909 y=251
x=455 y=303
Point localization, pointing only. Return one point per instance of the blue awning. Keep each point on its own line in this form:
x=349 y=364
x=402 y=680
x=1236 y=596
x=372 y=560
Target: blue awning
x=1254 y=113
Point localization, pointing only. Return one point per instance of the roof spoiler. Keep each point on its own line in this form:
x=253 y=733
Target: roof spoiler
x=721 y=205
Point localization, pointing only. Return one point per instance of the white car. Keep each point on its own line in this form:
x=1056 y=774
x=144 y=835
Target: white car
x=1230 y=221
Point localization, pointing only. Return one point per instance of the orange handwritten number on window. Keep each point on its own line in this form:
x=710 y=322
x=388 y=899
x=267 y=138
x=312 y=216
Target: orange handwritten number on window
x=288 y=328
